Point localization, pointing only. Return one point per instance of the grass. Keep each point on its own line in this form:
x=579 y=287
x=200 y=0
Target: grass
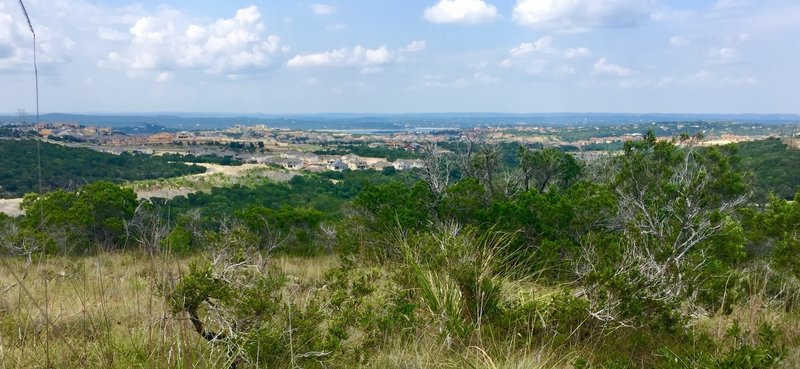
x=107 y=311
x=247 y=177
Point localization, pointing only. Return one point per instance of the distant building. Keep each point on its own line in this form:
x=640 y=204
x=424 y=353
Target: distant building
x=380 y=165
x=358 y=165
x=162 y=137
x=293 y=164
x=338 y=166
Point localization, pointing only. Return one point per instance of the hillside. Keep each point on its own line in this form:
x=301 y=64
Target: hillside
x=774 y=168
x=69 y=168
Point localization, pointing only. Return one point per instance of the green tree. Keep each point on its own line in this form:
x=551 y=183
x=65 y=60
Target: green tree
x=548 y=167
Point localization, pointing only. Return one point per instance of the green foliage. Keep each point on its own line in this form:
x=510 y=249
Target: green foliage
x=178 y=241
x=458 y=277
x=212 y=159
x=548 y=167
x=774 y=168
x=394 y=204
x=767 y=352
x=92 y=217
x=68 y=168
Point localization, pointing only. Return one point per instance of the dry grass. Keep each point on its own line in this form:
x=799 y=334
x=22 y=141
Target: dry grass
x=103 y=312
x=106 y=311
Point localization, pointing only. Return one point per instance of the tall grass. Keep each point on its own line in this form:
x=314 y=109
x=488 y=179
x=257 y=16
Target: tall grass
x=108 y=311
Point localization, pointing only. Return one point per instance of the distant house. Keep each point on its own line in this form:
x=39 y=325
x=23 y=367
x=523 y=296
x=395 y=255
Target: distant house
x=358 y=165
x=351 y=158
x=162 y=137
x=293 y=164
x=338 y=166
x=405 y=164
x=380 y=165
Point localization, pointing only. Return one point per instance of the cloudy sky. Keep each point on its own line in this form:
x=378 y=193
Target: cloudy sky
x=286 y=56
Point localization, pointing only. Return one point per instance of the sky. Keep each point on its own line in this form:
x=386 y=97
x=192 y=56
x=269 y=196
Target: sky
x=402 y=56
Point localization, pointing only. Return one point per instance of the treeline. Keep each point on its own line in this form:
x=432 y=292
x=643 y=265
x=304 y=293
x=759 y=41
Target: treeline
x=69 y=168
x=104 y=216
x=209 y=158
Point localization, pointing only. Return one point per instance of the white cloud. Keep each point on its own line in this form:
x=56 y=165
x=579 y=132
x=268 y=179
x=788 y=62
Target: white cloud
x=542 y=45
x=476 y=79
x=731 y=4
x=461 y=11
x=110 y=34
x=336 y=27
x=602 y=66
x=581 y=15
x=577 y=52
x=167 y=41
x=165 y=77
x=721 y=55
x=677 y=41
x=529 y=55
x=322 y=9
x=416 y=46
x=16 y=52
x=358 y=56
x=740 y=81
x=371 y=70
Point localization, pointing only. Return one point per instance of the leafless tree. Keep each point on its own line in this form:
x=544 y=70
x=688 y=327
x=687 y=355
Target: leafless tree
x=437 y=167
x=146 y=228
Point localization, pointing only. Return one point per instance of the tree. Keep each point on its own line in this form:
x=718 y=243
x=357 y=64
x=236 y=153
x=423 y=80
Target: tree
x=93 y=216
x=675 y=210
x=548 y=167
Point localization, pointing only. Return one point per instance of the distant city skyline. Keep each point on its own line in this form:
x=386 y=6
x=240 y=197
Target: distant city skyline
x=427 y=56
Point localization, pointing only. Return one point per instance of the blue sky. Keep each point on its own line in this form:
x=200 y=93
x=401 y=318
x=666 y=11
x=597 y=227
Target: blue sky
x=395 y=56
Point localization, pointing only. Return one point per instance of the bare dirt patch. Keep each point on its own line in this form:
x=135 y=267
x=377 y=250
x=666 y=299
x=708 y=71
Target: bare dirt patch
x=10 y=207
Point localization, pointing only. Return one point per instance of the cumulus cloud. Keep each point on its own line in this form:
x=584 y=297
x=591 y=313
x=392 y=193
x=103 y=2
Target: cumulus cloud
x=721 y=55
x=532 y=55
x=581 y=15
x=542 y=45
x=322 y=9
x=166 y=41
x=165 y=77
x=358 y=56
x=15 y=42
x=110 y=34
x=602 y=66
x=577 y=52
x=370 y=60
x=677 y=41
x=461 y=11
x=416 y=46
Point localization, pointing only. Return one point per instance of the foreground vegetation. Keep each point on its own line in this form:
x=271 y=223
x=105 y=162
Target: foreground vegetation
x=656 y=258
